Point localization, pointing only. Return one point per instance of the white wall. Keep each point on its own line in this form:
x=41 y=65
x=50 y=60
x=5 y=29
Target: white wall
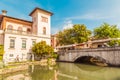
x=18 y=45
x=29 y=38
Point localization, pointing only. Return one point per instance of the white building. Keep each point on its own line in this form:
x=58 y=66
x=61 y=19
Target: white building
x=18 y=35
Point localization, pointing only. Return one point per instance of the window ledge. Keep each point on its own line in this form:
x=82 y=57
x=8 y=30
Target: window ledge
x=23 y=48
x=12 y=48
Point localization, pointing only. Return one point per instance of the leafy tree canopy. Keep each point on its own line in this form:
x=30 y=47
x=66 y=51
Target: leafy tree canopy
x=1 y=50
x=42 y=49
x=106 y=31
x=77 y=34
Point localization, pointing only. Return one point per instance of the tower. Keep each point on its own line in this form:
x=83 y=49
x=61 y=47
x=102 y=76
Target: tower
x=41 y=22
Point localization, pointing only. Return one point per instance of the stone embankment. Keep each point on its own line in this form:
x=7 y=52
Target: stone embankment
x=13 y=69
x=20 y=66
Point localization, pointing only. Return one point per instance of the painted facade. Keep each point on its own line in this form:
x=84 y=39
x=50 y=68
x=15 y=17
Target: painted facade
x=18 y=35
x=54 y=42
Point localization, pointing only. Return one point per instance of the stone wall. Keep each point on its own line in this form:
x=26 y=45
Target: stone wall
x=13 y=69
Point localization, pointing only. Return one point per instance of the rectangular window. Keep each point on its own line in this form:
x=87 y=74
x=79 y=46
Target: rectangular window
x=23 y=44
x=12 y=43
x=33 y=42
x=11 y=55
x=44 y=19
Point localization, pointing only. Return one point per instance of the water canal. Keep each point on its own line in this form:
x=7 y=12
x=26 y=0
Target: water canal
x=65 y=71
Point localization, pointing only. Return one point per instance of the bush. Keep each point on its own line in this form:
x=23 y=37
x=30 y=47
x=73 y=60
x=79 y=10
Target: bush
x=1 y=57
x=42 y=50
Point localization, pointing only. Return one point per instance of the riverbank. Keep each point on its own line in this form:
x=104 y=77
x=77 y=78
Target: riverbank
x=20 y=66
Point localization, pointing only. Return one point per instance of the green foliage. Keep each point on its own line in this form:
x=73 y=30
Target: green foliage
x=114 y=43
x=1 y=64
x=106 y=31
x=42 y=49
x=1 y=58
x=54 y=55
x=77 y=34
x=1 y=50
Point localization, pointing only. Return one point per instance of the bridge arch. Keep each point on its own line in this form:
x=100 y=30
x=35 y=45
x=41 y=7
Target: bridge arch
x=95 y=60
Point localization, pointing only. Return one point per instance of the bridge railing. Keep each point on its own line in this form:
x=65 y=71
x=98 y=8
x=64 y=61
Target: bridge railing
x=89 y=50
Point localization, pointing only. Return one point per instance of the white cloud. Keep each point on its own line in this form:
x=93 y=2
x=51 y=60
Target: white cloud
x=63 y=25
x=91 y=16
x=67 y=24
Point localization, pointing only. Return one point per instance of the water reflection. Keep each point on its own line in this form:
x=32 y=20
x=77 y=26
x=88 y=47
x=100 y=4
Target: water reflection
x=65 y=71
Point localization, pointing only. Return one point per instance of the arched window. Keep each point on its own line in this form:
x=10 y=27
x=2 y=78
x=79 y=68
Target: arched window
x=28 y=30
x=9 y=28
x=44 y=30
x=19 y=29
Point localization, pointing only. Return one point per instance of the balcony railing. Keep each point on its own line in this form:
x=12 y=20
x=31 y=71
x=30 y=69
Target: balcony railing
x=13 y=31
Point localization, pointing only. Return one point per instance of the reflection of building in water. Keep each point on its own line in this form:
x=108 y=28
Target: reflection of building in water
x=19 y=77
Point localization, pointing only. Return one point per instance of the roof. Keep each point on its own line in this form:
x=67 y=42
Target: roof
x=18 y=19
x=1 y=17
x=105 y=40
x=66 y=46
x=40 y=10
x=95 y=41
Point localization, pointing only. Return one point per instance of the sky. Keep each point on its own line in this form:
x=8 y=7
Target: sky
x=92 y=13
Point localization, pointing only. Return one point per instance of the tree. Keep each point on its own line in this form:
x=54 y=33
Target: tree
x=107 y=31
x=41 y=49
x=77 y=34
x=1 y=51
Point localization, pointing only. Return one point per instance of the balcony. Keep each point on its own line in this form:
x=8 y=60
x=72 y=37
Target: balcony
x=26 y=33
x=13 y=31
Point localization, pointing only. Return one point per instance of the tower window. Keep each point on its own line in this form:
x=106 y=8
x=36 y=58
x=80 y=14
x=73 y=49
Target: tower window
x=28 y=30
x=44 y=19
x=44 y=30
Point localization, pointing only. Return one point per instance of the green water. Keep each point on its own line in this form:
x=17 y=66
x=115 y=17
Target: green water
x=65 y=71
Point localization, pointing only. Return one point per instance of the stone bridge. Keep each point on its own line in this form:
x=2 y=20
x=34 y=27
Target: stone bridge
x=108 y=55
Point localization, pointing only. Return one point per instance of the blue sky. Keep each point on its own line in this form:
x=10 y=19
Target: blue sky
x=92 y=13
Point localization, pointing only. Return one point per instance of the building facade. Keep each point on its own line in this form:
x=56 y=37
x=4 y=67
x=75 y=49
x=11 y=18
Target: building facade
x=54 y=41
x=18 y=35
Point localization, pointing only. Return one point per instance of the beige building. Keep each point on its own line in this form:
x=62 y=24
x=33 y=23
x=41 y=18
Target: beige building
x=18 y=35
x=101 y=43
x=54 y=41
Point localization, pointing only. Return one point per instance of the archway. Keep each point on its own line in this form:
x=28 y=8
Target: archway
x=91 y=60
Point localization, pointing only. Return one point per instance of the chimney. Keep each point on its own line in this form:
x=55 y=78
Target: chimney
x=4 y=12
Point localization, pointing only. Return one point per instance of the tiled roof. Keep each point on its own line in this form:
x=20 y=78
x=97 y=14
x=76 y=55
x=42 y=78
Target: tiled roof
x=18 y=19
x=41 y=10
x=1 y=17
